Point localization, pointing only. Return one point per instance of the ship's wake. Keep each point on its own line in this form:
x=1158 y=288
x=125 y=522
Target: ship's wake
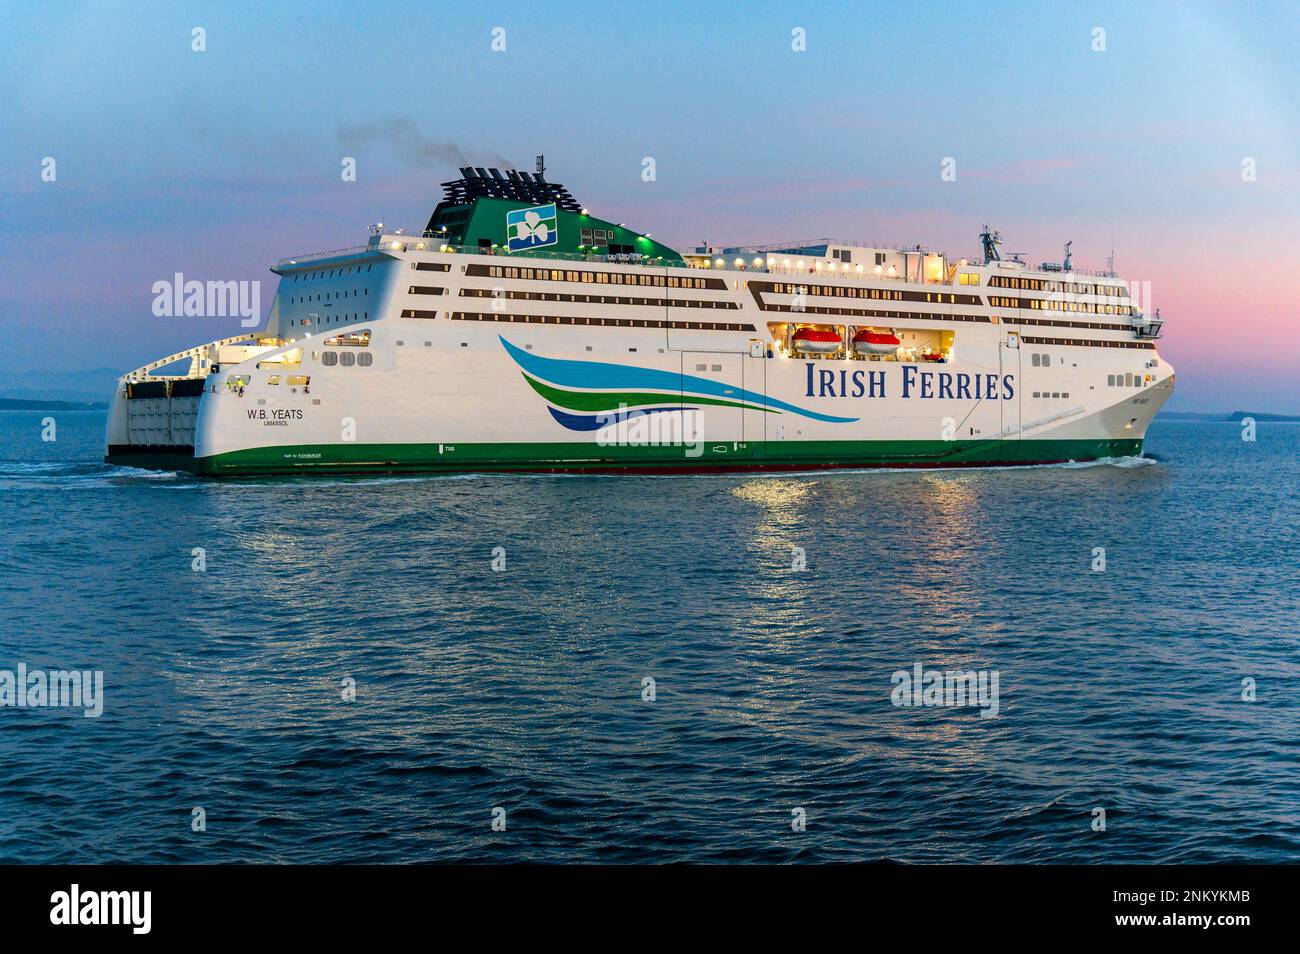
x=71 y=475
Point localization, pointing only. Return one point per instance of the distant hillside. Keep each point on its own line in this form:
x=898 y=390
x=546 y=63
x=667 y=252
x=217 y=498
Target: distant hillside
x=1259 y=416
x=1226 y=418
x=89 y=386
x=23 y=404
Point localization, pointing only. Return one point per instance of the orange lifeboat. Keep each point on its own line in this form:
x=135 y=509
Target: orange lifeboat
x=821 y=342
x=875 y=342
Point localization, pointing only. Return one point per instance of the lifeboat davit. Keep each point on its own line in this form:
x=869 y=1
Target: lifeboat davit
x=822 y=342
x=875 y=342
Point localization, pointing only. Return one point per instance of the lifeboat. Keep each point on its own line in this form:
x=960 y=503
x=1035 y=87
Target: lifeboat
x=875 y=342
x=821 y=342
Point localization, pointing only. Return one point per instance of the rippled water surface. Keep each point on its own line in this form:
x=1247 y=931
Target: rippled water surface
x=522 y=689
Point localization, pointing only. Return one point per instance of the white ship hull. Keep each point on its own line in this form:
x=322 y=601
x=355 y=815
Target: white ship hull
x=583 y=371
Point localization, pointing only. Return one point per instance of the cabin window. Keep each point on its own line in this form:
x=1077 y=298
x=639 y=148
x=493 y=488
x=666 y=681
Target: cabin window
x=1036 y=360
x=329 y=359
x=347 y=359
x=365 y=359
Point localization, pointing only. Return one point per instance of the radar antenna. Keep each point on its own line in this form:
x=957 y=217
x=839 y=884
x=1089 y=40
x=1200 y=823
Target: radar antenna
x=541 y=164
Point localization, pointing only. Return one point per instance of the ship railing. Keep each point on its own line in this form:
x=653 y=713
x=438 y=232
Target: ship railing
x=195 y=354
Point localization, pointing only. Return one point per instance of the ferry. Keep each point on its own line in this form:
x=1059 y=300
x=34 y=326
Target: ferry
x=519 y=331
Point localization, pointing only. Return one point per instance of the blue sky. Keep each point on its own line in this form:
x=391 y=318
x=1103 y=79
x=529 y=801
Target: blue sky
x=216 y=164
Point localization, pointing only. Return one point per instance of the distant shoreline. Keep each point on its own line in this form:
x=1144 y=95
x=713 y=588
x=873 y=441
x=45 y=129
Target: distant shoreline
x=22 y=404
x=1221 y=418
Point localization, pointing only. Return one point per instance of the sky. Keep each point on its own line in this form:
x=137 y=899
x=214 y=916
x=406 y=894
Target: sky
x=1172 y=138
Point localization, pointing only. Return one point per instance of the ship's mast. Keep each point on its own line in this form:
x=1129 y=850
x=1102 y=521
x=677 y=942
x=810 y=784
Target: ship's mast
x=990 y=239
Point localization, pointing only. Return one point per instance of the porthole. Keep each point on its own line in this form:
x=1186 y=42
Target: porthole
x=365 y=359
x=347 y=359
x=329 y=359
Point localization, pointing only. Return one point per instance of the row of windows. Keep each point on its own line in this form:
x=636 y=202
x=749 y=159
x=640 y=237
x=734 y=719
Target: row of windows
x=332 y=319
x=601 y=322
x=1126 y=380
x=600 y=299
x=596 y=236
x=968 y=278
x=425 y=290
x=886 y=294
x=1052 y=394
x=1048 y=322
x=1045 y=304
x=347 y=359
x=599 y=278
x=872 y=313
x=328 y=296
x=331 y=273
x=431 y=266
x=417 y=313
x=1087 y=342
x=1052 y=285
x=757 y=287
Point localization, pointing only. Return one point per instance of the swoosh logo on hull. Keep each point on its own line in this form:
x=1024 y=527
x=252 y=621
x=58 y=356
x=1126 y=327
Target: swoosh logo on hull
x=572 y=383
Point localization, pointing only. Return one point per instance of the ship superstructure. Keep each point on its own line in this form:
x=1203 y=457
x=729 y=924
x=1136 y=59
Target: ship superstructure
x=517 y=331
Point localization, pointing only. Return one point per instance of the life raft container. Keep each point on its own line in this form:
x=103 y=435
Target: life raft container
x=822 y=342
x=875 y=342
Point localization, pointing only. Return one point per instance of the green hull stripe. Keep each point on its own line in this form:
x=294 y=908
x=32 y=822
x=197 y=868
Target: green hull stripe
x=586 y=456
x=612 y=400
